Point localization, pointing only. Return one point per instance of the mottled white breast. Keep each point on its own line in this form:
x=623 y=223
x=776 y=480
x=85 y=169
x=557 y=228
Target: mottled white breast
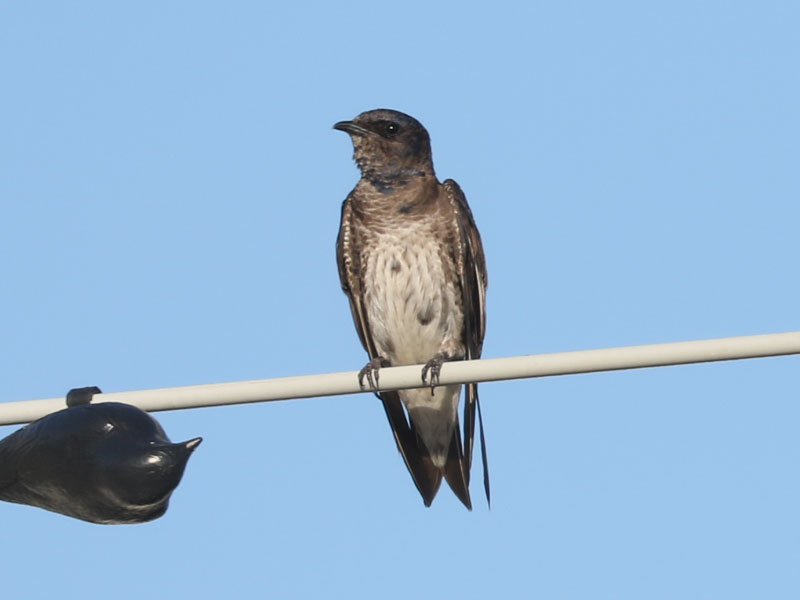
x=411 y=304
x=414 y=314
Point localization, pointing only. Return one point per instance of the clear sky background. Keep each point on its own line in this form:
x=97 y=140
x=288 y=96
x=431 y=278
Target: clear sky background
x=170 y=189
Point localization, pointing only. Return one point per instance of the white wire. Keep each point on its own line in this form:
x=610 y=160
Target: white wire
x=395 y=378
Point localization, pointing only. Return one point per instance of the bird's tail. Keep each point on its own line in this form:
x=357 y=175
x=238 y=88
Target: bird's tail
x=456 y=470
x=427 y=477
x=434 y=420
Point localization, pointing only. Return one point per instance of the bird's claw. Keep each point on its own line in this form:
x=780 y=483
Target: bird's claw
x=78 y=396
x=434 y=367
x=370 y=372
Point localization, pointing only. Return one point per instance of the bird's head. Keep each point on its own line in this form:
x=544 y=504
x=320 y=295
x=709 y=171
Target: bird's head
x=390 y=148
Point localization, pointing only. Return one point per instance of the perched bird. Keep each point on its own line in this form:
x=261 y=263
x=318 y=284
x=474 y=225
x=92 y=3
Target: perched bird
x=411 y=262
x=107 y=463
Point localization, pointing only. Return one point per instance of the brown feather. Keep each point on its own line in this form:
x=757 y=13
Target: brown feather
x=474 y=281
x=425 y=475
x=392 y=151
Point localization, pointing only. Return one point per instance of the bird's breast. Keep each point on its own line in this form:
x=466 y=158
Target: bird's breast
x=410 y=295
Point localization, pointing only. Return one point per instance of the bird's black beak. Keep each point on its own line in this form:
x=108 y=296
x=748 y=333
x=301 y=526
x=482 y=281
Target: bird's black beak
x=351 y=128
x=192 y=444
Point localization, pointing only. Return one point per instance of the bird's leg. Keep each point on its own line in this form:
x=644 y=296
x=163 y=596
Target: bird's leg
x=370 y=371
x=78 y=396
x=434 y=365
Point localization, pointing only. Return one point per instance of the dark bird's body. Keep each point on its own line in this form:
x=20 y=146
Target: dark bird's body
x=105 y=463
x=411 y=262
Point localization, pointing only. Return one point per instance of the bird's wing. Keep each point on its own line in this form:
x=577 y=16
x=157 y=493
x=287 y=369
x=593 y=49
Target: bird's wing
x=473 y=279
x=426 y=476
x=13 y=449
x=8 y=477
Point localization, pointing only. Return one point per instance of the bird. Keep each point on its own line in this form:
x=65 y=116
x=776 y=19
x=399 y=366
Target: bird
x=107 y=463
x=412 y=265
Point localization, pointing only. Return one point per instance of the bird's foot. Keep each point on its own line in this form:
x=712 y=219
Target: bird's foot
x=434 y=367
x=78 y=396
x=370 y=372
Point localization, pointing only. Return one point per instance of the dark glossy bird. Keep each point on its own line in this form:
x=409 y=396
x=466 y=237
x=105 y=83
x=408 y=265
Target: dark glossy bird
x=107 y=463
x=412 y=265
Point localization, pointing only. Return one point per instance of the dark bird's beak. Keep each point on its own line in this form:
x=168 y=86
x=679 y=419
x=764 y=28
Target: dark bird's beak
x=351 y=128
x=192 y=444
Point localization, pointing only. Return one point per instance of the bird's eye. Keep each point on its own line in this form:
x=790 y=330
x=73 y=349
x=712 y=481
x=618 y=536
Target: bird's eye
x=392 y=128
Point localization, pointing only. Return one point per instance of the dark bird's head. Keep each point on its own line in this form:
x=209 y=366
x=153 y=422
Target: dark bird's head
x=390 y=148
x=134 y=466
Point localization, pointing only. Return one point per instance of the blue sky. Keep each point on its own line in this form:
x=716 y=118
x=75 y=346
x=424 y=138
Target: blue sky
x=170 y=189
